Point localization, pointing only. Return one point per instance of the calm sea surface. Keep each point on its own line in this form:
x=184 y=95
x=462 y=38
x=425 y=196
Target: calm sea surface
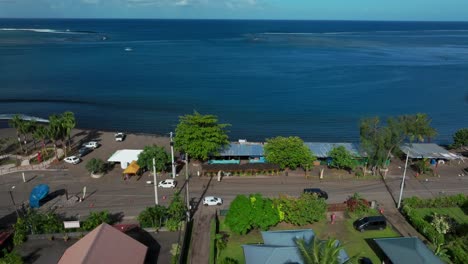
x=313 y=79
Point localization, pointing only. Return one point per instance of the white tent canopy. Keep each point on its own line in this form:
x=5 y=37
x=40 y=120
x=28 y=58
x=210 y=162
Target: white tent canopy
x=125 y=156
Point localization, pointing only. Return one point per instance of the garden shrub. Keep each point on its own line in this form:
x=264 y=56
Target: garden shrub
x=95 y=219
x=301 y=211
x=172 y=224
x=152 y=216
x=212 y=241
x=425 y=228
x=11 y=257
x=458 y=250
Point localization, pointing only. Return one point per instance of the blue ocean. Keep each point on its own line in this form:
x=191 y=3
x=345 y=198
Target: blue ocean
x=313 y=79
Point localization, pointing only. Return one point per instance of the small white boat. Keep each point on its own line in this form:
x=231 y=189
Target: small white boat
x=128 y=49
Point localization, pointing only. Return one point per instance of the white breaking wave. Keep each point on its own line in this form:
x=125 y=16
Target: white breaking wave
x=41 y=30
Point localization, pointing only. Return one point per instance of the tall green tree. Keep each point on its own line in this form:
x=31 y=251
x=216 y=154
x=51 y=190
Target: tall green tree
x=341 y=158
x=239 y=216
x=96 y=166
x=55 y=132
x=68 y=122
x=200 y=135
x=288 y=152
x=162 y=159
x=322 y=252
x=460 y=138
x=17 y=123
x=177 y=208
x=41 y=134
x=380 y=141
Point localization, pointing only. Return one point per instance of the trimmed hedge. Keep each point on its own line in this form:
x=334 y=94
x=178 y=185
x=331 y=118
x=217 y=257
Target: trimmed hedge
x=442 y=201
x=423 y=227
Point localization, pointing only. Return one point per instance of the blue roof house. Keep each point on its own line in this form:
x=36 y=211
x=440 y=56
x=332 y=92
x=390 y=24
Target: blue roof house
x=280 y=248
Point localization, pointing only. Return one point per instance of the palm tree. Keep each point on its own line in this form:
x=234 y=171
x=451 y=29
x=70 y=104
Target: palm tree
x=322 y=252
x=55 y=131
x=69 y=122
x=30 y=127
x=17 y=122
x=41 y=134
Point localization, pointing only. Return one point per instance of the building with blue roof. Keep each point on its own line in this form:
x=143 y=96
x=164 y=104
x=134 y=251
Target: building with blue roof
x=406 y=250
x=280 y=247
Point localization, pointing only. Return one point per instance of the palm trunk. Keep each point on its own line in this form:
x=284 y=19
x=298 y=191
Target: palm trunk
x=55 y=150
x=64 y=146
x=18 y=135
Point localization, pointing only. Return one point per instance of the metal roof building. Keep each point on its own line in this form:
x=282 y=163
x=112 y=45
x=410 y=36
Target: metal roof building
x=321 y=150
x=280 y=247
x=407 y=250
x=427 y=150
x=242 y=149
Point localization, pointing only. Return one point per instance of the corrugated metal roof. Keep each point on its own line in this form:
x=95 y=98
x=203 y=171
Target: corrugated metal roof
x=286 y=237
x=427 y=150
x=407 y=250
x=246 y=149
x=321 y=150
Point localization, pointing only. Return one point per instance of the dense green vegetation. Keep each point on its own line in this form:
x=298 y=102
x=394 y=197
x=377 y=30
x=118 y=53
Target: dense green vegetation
x=159 y=215
x=160 y=156
x=288 y=152
x=443 y=222
x=200 y=135
x=460 y=138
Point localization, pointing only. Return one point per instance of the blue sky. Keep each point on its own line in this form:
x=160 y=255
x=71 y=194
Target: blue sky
x=436 y=10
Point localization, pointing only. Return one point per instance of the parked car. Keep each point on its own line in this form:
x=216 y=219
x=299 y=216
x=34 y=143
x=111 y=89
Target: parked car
x=72 y=160
x=170 y=183
x=84 y=151
x=370 y=223
x=365 y=260
x=320 y=193
x=119 y=136
x=91 y=144
x=211 y=200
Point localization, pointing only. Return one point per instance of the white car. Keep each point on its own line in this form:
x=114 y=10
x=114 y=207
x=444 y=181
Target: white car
x=91 y=144
x=72 y=160
x=167 y=184
x=211 y=200
x=119 y=136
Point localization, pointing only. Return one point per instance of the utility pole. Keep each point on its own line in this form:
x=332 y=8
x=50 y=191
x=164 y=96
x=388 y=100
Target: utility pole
x=13 y=200
x=187 y=197
x=172 y=158
x=155 y=182
x=403 y=181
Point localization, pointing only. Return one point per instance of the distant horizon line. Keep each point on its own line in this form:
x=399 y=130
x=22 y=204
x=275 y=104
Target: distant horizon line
x=236 y=19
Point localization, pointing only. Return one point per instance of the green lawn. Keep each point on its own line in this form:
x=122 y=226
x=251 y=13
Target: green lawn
x=455 y=212
x=354 y=241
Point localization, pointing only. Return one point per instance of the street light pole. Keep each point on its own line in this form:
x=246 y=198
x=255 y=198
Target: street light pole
x=403 y=181
x=155 y=182
x=13 y=200
x=172 y=158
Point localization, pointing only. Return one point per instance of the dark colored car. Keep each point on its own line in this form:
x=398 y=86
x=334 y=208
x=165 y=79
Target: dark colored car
x=365 y=260
x=320 y=193
x=370 y=223
x=84 y=151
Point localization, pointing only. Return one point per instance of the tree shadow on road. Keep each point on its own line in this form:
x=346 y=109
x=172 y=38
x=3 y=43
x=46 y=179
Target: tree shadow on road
x=194 y=203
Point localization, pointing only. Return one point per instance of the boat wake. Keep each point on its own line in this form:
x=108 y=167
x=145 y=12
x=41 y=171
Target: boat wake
x=47 y=30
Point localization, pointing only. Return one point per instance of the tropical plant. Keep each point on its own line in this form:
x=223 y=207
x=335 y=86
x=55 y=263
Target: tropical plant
x=380 y=142
x=68 y=123
x=159 y=154
x=40 y=133
x=55 y=132
x=322 y=252
x=200 y=135
x=152 y=216
x=11 y=257
x=342 y=158
x=17 y=123
x=96 y=166
x=228 y=260
x=423 y=166
x=264 y=212
x=239 y=216
x=460 y=138
x=288 y=152
x=95 y=219
x=177 y=208
x=300 y=211
x=221 y=240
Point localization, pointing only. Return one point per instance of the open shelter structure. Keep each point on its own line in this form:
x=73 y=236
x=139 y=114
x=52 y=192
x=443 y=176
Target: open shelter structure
x=105 y=244
x=428 y=150
x=125 y=157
